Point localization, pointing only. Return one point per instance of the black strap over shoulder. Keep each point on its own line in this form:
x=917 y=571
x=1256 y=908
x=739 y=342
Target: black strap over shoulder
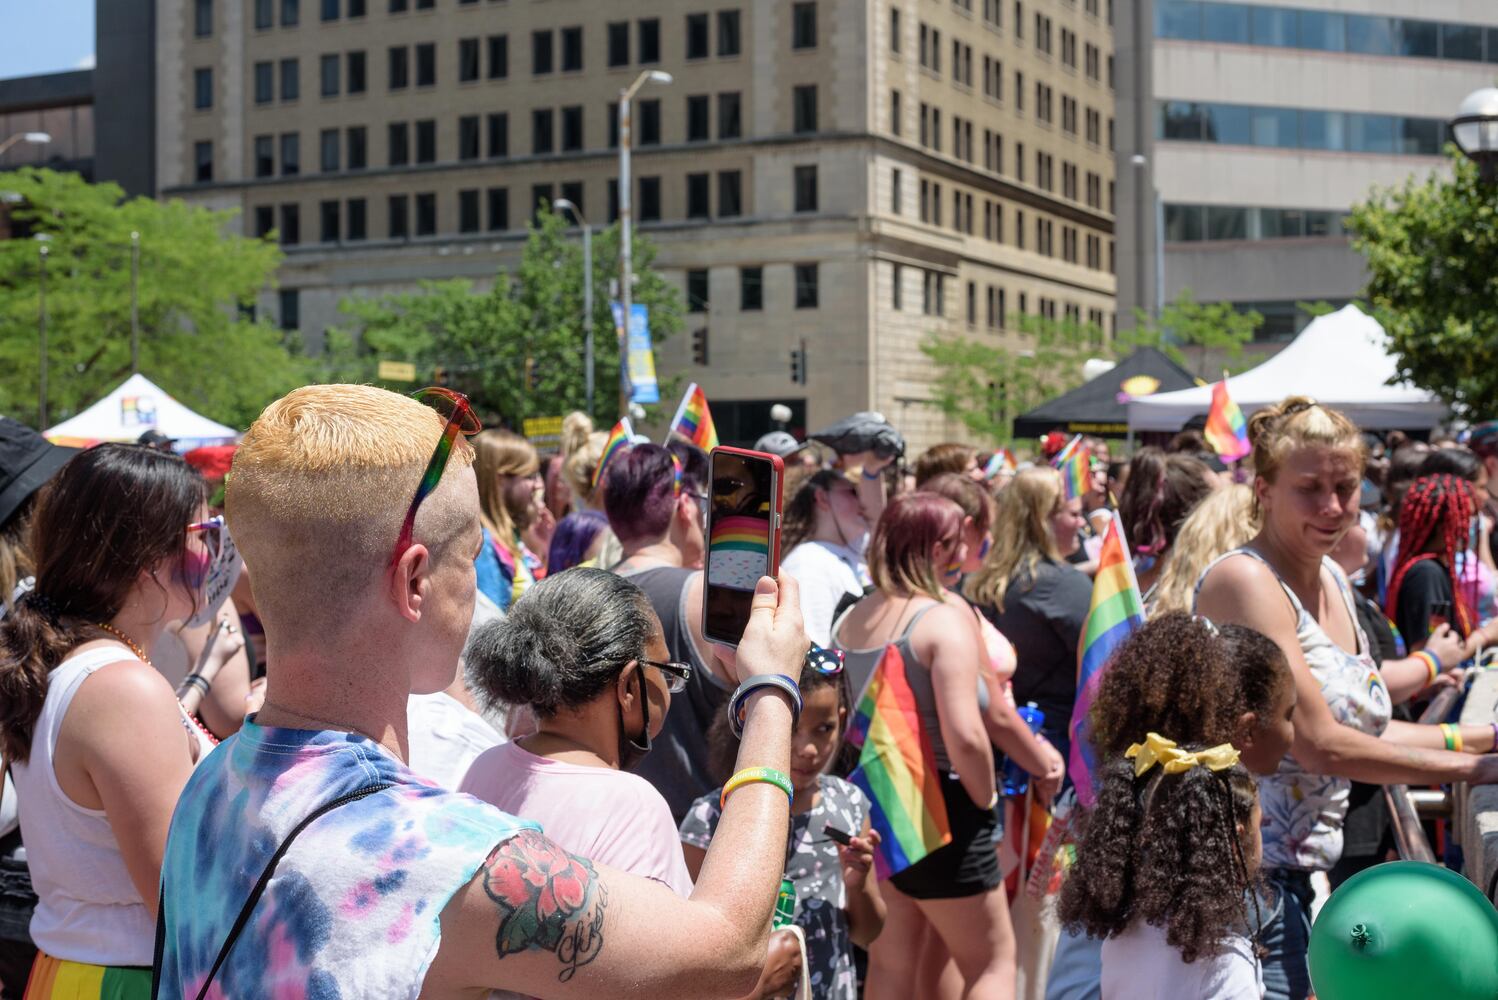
x=249 y=904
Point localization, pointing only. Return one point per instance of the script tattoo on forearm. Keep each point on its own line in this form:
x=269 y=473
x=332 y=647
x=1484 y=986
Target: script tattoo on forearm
x=548 y=899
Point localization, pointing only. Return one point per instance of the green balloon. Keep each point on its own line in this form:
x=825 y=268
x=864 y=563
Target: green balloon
x=1403 y=930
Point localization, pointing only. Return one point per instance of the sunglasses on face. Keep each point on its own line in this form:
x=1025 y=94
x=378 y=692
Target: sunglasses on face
x=827 y=662
x=460 y=420
x=677 y=674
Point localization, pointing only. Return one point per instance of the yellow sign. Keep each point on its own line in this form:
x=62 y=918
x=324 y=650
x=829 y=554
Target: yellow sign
x=396 y=371
x=545 y=433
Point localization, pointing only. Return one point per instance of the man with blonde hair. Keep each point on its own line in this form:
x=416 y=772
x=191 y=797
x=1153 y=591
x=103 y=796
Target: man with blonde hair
x=305 y=859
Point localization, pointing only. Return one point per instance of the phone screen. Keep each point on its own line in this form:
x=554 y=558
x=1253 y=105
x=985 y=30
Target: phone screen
x=741 y=536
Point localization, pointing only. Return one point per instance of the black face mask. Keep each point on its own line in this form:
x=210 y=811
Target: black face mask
x=632 y=750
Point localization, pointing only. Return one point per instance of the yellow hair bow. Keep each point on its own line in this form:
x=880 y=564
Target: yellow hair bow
x=1156 y=749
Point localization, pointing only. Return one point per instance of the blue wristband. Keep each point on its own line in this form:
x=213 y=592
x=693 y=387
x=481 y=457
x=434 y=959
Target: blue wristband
x=877 y=475
x=736 y=705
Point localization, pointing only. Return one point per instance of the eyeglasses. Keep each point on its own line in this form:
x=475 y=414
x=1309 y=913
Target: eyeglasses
x=212 y=531
x=677 y=674
x=460 y=420
x=827 y=662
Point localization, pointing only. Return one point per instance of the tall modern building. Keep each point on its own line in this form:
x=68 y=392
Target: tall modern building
x=1247 y=130
x=851 y=174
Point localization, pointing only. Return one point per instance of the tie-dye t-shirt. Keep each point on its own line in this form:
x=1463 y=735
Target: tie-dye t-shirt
x=353 y=910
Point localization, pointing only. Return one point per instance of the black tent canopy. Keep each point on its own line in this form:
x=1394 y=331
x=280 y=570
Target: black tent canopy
x=1099 y=406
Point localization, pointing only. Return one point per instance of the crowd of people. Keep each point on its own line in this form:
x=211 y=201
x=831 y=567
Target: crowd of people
x=380 y=703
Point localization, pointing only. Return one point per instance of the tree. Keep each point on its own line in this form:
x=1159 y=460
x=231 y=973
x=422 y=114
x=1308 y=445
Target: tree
x=1214 y=329
x=1431 y=247
x=516 y=347
x=195 y=282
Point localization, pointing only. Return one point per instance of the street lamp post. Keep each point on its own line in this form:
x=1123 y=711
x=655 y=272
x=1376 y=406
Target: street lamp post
x=626 y=250
x=41 y=326
x=563 y=205
x=134 y=303
x=35 y=138
x=1475 y=131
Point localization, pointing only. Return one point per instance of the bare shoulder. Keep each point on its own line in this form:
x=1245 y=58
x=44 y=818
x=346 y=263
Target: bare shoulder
x=124 y=687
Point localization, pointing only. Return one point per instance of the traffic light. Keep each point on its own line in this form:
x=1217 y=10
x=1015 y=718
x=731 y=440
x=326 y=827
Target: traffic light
x=798 y=364
x=439 y=375
x=699 y=346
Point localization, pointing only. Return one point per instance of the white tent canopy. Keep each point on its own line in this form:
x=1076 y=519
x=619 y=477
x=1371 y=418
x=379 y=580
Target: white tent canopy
x=1340 y=360
x=138 y=405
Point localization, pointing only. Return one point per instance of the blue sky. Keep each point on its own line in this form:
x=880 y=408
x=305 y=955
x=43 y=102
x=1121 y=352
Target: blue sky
x=45 y=36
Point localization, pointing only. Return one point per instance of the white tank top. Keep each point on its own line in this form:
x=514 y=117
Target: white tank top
x=87 y=908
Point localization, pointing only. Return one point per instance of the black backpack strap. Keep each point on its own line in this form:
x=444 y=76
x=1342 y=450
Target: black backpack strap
x=245 y=911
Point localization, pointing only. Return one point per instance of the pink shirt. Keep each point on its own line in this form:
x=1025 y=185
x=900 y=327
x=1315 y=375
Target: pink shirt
x=609 y=816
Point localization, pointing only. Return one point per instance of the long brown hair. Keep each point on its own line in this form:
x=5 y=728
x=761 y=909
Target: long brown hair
x=112 y=513
x=1022 y=535
x=799 y=522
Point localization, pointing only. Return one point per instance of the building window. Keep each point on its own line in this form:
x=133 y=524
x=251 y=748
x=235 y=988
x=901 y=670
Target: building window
x=728 y=33
x=618 y=35
x=291 y=13
x=265 y=82
x=264 y=14
x=291 y=308
x=729 y=123
x=291 y=79
x=499 y=135
x=697 y=43
x=894 y=30
x=650 y=122
x=572 y=128
x=650 y=40
x=328 y=227
x=356 y=74
x=265 y=221
x=468 y=137
x=399 y=6
x=613 y=201
x=698 y=127
x=202 y=18
x=806 y=188
x=896 y=287
x=806 y=284
x=572 y=50
x=328 y=147
x=426 y=141
x=468 y=60
x=202 y=88
x=499 y=209
x=426 y=64
x=542 y=195
x=358 y=147
x=291 y=224
x=972 y=304
x=499 y=57
x=612 y=115
x=541 y=50
x=650 y=199
x=328 y=73
x=426 y=214
x=730 y=194
x=697 y=291
x=468 y=211
x=804 y=103
x=399 y=216
x=697 y=196
x=896 y=192
x=541 y=131
x=330 y=10
x=291 y=154
x=357 y=216
x=399 y=144
x=894 y=112
x=751 y=289
x=804 y=26
x=573 y=192
x=202 y=155
x=400 y=67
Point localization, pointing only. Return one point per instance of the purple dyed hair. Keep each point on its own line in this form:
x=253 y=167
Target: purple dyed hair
x=640 y=492
x=574 y=536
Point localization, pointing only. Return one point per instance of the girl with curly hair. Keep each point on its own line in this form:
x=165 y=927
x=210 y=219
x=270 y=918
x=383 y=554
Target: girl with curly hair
x=1165 y=874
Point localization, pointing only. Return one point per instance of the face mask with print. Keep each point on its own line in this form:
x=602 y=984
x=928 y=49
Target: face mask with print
x=218 y=580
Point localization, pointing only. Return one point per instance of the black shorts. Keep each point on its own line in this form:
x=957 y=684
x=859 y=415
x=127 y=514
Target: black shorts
x=969 y=865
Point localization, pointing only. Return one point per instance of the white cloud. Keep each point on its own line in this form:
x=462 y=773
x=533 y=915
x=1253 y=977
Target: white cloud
x=87 y=62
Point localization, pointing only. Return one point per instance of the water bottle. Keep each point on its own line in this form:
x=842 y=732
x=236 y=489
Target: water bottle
x=1016 y=778
x=785 y=905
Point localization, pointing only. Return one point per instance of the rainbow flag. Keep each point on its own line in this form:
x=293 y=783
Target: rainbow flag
x=621 y=438
x=1000 y=462
x=742 y=533
x=897 y=769
x=1065 y=453
x=1076 y=472
x=694 y=421
x=1116 y=611
x=1226 y=430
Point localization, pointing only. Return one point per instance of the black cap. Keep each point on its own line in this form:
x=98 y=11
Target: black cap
x=155 y=439
x=27 y=461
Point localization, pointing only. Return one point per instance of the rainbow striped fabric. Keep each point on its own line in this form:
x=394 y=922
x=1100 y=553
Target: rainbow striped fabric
x=1076 y=472
x=1116 y=611
x=57 y=979
x=1000 y=462
x=1226 y=430
x=620 y=439
x=741 y=533
x=897 y=770
x=694 y=421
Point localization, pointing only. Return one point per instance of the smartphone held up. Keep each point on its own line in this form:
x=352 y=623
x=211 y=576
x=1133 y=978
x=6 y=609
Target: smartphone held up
x=743 y=538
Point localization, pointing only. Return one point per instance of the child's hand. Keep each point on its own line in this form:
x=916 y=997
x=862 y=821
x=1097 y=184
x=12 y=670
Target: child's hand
x=857 y=858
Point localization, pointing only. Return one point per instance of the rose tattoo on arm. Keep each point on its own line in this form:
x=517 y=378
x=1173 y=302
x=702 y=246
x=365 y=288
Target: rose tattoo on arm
x=548 y=899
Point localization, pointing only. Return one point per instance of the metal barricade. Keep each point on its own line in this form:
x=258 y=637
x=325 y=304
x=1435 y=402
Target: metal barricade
x=1406 y=806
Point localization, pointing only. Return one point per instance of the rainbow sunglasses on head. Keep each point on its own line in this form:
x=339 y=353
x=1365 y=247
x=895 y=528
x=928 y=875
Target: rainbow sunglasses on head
x=460 y=420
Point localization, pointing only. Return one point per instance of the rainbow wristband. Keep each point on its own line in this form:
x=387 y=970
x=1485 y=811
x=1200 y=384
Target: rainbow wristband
x=1431 y=663
x=1453 y=737
x=757 y=775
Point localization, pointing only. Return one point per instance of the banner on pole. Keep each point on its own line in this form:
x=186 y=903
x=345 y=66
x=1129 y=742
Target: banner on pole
x=639 y=379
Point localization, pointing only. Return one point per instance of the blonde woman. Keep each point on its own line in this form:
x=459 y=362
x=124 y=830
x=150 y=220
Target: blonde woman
x=582 y=450
x=1030 y=593
x=509 y=476
x=1223 y=521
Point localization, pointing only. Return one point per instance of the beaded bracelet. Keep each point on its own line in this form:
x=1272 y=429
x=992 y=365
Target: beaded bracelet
x=1431 y=663
x=1453 y=737
x=738 y=703
x=753 y=775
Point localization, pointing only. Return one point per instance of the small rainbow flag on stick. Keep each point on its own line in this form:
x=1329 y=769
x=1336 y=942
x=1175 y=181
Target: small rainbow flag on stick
x=694 y=421
x=1116 y=611
x=1226 y=430
x=897 y=770
x=1076 y=472
x=1000 y=462
x=620 y=440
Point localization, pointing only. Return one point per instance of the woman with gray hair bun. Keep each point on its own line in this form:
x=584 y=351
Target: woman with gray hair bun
x=584 y=651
